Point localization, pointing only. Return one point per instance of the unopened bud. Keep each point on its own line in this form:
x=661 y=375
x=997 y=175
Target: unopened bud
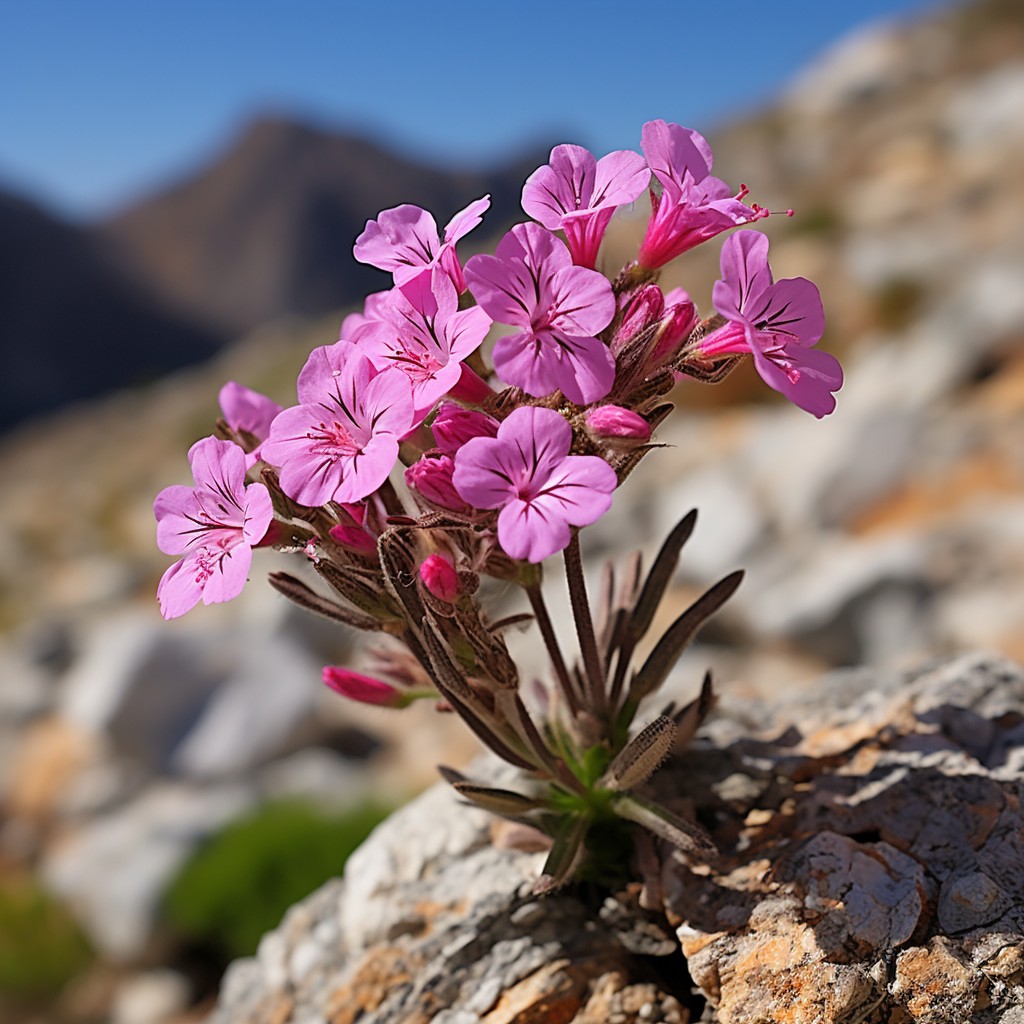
x=453 y=426
x=640 y=309
x=353 y=537
x=364 y=689
x=675 y=327
x=440 y=578
x=613 y=423
x=432 y=477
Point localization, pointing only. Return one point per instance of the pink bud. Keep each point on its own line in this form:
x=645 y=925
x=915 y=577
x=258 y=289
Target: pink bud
x=432 y=478
x=641 y=308
x=675 y=327
x=453 y=426
x=354 y=537
x=614 y=423
x=364 y=689
x=440 y=578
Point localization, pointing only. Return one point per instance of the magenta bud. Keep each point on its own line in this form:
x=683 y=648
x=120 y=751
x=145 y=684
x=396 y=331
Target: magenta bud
x=440 y=578
x=364 y=689
x=611 y=423
x=354 y=538
x=453 y=426
x=676 y=326
x=432 y=478
x=641 y=308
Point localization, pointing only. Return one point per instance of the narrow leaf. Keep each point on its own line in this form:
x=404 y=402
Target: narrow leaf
x=297 y=591
x=689 y=718
x=678 y=635
x=565 y=855
x=661 y=574
x=643 y=755
x=498 y=801
x=687 y=836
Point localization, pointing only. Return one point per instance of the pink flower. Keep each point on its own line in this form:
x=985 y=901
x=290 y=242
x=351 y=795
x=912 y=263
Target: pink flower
x=364 y=689
x=777 y=322
x=422 y=333
x=531 y=283
x=579 y=194
x=214 y=525
x=440 y=578
x=354 y=326
x=341 y=443
x=348 y=535
x=247 y=410
x=693 y=205
x=404 y=240
x=541 y=489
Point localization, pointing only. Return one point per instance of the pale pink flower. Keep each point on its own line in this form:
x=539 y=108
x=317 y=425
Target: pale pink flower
x=341 y=443
x=404 y=240
x=528 y=473
x=778 y=322
x=578 y=194
x=531 y=283
x=693 y=205
x=214 y=525
x=422 y=333
x=248 y=410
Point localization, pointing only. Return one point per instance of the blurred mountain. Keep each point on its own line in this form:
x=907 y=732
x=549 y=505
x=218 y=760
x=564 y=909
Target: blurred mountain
x=74 y=323
x=267 y=228
x=265 y=231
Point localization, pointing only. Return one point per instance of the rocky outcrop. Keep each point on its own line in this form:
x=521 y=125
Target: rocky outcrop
x=871 y=840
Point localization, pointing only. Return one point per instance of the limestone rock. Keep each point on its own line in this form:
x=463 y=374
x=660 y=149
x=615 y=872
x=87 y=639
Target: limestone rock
x=871 y=840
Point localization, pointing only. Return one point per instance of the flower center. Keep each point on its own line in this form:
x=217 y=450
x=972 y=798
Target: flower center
x=418 y=364
x=333 y=440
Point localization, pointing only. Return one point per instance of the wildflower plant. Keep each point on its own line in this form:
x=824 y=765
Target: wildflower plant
x=409 y=471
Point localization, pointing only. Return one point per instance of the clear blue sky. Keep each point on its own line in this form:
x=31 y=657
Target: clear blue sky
x=102 y=100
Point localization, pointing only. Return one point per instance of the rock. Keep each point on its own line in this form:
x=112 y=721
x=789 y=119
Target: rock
x=155 y=997
x=871 y=838
x=114 y=871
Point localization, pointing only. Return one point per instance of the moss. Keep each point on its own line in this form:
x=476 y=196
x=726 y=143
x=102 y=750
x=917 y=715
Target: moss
x=239 y=884
x=41 y=947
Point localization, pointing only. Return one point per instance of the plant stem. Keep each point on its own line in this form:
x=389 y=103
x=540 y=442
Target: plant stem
x=584 y=623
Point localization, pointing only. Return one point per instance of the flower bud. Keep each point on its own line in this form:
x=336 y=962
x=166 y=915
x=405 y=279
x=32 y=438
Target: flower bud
x=353 y=537
x=432 y=478
x=364 y=689
x=676 y=326
x=641 y=308
x=613 y=423
x=439 y=577
x=453 y=426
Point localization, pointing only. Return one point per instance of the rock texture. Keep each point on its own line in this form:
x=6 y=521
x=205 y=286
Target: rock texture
x=872 y=842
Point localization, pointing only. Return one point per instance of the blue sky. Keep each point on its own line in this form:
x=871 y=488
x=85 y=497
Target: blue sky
x=104 y=100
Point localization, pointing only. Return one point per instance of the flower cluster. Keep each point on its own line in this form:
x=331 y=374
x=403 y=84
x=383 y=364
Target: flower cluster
x=504 y=458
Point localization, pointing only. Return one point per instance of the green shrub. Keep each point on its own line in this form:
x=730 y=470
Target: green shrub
x=41 y=947
x=239 y=884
